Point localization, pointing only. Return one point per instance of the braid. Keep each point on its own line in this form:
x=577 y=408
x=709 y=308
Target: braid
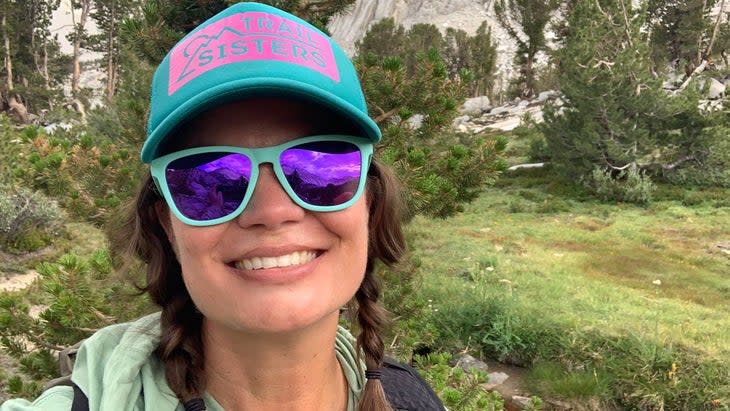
x=372 y=318
x=387 y=245
x=181 y=347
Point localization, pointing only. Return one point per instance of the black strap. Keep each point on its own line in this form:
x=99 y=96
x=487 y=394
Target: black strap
x=81 y=403
x=406 y=390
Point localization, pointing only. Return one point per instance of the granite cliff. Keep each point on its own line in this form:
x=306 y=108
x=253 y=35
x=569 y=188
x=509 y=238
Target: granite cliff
x=466 y=15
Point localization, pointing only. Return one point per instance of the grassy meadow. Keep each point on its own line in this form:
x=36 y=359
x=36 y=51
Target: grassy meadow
x=609 y=305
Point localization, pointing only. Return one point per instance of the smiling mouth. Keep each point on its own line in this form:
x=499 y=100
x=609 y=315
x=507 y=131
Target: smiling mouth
x=288 y=260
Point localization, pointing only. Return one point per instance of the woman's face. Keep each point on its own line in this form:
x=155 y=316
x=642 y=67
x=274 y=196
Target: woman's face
x=323 y=254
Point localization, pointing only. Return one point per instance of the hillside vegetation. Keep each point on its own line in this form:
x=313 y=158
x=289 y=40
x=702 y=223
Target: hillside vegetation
x=603 y=273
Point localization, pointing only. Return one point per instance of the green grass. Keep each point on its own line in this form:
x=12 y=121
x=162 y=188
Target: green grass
x=552 y=379
x=577 y=282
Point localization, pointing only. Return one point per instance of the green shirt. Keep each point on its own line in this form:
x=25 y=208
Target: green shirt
x=118 y=371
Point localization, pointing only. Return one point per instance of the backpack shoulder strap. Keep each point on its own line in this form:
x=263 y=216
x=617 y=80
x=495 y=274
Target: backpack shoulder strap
x=406 y=390
x=81 y=402
x=66 y=360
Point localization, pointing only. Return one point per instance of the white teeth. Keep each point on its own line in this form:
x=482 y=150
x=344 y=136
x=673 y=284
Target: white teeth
x=268 y=262
x=295 y=258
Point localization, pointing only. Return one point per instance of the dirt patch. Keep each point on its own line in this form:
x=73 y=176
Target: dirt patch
x=573 y=246
x=638 y=268
x=591 y=225
x=16 y=282
x=474 y=233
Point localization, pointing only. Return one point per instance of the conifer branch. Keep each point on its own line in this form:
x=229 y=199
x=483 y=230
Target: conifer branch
x=627 y=29
x=716 y=30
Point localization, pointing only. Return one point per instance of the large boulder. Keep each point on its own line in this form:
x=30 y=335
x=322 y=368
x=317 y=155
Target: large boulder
x=476 y=106
x=716 y=90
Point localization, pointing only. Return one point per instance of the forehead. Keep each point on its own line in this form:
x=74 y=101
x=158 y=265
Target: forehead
x=258 y=122
x=250 y=123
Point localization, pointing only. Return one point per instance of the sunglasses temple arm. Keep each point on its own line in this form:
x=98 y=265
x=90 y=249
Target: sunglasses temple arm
x=155 y=186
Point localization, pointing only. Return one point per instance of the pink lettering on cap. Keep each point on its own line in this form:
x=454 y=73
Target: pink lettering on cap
x=247 y=37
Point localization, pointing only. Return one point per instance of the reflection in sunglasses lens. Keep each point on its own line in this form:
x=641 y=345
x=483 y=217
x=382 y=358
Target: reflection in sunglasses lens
x=209 y=185
x=323 y=174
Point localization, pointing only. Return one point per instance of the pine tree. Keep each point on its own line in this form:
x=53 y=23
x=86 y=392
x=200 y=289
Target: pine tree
x=482 y=60
x=384 y=38
x=108 y=16
x=460 y=53
x=415 y=106
x=79 y=17
x=615 y=114
x=680 y=31
x=525 y=22
x=33 y=67
x=421 y=37
x=456 y=51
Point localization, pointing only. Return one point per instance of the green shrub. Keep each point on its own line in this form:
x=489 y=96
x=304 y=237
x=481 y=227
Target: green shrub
x=77 y=295
x=517 y=206
x=413 y=329
x=710 y=169
x=710 y=196
x=90 y=182
x=668 y=192
x=16 y=387
x=531 y=195
x=458 y=389
x=538 y=150
x=553 y=205
x=629 y=186
x=28 y=219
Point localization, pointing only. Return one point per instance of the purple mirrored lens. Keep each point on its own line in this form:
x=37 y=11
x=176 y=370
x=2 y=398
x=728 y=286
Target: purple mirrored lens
x=323 y=173
x=209 y=185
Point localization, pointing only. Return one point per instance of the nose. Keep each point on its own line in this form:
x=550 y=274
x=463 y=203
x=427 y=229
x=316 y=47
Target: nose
x=270 y=206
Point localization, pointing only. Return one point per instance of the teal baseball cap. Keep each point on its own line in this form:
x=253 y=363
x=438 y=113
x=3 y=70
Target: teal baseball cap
x=252 y=50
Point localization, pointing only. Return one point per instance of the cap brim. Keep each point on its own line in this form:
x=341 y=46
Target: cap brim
x=256 y=87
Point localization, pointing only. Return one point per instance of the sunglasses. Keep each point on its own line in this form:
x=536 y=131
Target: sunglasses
x=211 y=185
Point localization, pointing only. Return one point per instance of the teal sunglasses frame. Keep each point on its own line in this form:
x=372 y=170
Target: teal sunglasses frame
x=258 y=157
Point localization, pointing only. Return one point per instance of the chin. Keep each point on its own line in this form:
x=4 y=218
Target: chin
x=294 y=319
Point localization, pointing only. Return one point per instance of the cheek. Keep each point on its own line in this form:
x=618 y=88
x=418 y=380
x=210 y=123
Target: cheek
x=193 y=243
x=351 y=226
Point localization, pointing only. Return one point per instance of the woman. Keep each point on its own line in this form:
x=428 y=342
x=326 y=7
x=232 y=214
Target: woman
x=263 y=216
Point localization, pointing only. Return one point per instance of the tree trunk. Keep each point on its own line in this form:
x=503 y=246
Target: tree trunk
x=79 y=106
x=111 y=72
x=716 y=30
x=627 y=25
x=529 y=91
x=15 y=106
x=672 y=166
x=8 y=58
x=78 y=32
x=46 y=75
x=689 y=78
x=700 y=57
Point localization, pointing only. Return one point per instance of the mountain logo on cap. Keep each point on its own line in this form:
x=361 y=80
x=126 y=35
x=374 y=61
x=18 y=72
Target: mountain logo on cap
x=250 y=36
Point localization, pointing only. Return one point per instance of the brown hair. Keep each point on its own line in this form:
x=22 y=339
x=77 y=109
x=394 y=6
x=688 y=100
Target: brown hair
x=180 y=347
